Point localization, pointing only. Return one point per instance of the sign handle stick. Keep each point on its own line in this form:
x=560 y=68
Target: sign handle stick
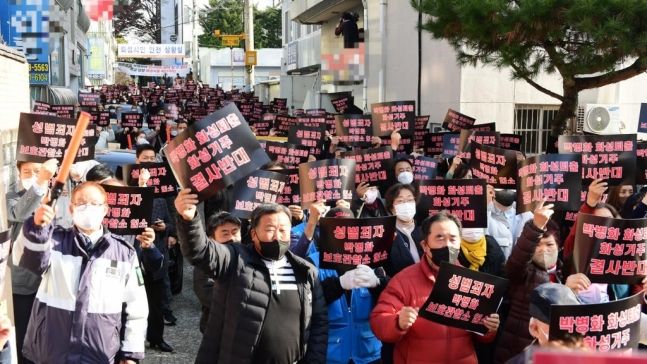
x=70 y=156
x=130 y=142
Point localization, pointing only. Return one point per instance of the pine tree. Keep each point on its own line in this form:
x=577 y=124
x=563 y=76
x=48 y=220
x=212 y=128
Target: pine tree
x=589 y=43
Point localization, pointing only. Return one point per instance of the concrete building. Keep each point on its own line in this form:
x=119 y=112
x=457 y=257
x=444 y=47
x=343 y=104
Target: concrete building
x=392 y=72
x=171 y=27
x=57 y=74
x=216 y=66
x=101 y=53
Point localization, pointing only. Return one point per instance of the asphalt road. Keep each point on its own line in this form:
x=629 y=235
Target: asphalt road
x=185 y=336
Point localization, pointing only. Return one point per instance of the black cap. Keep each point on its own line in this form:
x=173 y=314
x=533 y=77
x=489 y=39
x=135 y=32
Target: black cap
x=549 y=294
x=340 y=212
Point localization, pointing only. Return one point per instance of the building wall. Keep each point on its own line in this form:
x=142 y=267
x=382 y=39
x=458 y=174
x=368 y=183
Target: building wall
x=14 y=99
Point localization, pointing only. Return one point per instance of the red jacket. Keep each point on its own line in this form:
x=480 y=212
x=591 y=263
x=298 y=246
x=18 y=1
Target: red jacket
x=426 y=341
x=569 y=243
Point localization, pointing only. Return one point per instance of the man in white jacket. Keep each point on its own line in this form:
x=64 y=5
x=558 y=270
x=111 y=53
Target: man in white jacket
x=105 y=135
x=503 y=222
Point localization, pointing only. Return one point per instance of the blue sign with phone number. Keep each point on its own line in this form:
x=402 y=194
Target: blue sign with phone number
x=27 y=31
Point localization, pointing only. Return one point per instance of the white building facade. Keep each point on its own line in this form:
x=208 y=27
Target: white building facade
x=216 y=66
x=392 y=72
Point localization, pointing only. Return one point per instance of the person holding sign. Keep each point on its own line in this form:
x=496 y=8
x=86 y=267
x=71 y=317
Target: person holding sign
x=533 y=261
x=406 y=250
x=224 y=229
x=349 y=299
x=366 y=202
x=504 y=224
x=541 y=298
x=270 y=306
x=92 y=287
x=395 y=318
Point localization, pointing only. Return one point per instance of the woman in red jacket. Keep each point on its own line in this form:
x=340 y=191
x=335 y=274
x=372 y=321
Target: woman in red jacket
x=394 y=319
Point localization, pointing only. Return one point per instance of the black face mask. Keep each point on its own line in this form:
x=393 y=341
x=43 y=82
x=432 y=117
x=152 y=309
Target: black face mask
x=505 y=198
x=274 y=250
x=445 y=254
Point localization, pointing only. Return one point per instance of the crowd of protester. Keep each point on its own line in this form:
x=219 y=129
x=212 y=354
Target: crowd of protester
x=85 y=295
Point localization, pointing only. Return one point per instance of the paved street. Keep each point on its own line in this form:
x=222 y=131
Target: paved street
x=185 y=336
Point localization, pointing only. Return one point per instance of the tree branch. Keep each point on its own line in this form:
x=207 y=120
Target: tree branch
x=638 y=67
x=538 y=86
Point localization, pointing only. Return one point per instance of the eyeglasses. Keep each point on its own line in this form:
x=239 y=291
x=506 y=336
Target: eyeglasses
x=29 y=173
x=83 y=206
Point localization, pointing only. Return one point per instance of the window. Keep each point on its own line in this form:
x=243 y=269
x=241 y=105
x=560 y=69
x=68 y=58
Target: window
x=533 y=123
x=297 y=30
x=287 y=28
x=81 y=64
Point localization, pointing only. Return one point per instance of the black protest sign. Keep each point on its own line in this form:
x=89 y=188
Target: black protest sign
x=605 y=326
x=316 y=112
x=346 y=243
x=463 y=198
x=89 y=99
x=373 y=165
x=330 y=123
x=354 y=130
x=497 y=166
x=94 y=117
x=455 y=121
x=463 y=298
x=329 y=179
x=298 y=112
x=433 y=143
x=282 y=124
x=389 y=116
x=132 y=119
x=290 y=194
x=257 y=188
x=313 y=138
x=172 y=110
x=342 y=104
x=264 y=125
x=290 y=154
x=510 y=141
x=421 y=131
x=155 y=121
x=642 y=119
x=641 y=163
x=312 y=121
x=611 y=157
x=484 y=127
x=610 y=250
x=215 y=152
x=161 y=178
x=64 y=111
x=554 y=177
x=43 y=137
x=468 y=136
x=130 y=209
x=104 y=118
x=280 y=103
x=42 y=108
x=450 y=145
x=552 y=144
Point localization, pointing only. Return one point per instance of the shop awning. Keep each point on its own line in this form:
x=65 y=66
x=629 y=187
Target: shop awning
x=61 y=96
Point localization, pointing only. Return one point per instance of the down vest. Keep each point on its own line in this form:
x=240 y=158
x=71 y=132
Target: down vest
x=524 y=276
x=242 y=295
x=426 y=341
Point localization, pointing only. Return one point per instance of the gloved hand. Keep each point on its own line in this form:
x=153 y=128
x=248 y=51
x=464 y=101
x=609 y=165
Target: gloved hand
x=365 y=277
x=347 y=280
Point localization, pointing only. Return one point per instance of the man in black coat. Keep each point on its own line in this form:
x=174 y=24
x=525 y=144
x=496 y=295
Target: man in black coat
x=268 y=305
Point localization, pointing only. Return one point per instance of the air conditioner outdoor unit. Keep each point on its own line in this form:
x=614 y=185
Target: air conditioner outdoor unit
x=603 y=119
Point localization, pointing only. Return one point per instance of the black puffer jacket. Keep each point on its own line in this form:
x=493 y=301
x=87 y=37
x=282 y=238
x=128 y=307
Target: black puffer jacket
x=241 y=297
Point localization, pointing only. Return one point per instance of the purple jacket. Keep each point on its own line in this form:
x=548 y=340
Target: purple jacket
x=88 y=309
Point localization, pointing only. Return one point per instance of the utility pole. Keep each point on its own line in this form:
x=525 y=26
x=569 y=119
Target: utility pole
x=195 y=54
x=248 y=14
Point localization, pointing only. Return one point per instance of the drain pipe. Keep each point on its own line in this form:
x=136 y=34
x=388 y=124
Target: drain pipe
x=382 y=75
x=365 y=82
x=419 y=61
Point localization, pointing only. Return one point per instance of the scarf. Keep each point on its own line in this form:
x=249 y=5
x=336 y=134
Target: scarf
x=474 y=252
x=407 y=229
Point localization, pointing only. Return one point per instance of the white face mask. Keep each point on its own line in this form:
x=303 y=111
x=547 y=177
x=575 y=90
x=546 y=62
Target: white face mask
x=405 y=211
x=28 y=182
x=405 y=177
x=472 y=235
x=141 y=141
x=174 y=132
x=371 y=195
x=90 y=218
x=540 y=329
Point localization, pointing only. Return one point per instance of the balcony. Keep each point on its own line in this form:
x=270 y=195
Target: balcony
x=319 y=11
